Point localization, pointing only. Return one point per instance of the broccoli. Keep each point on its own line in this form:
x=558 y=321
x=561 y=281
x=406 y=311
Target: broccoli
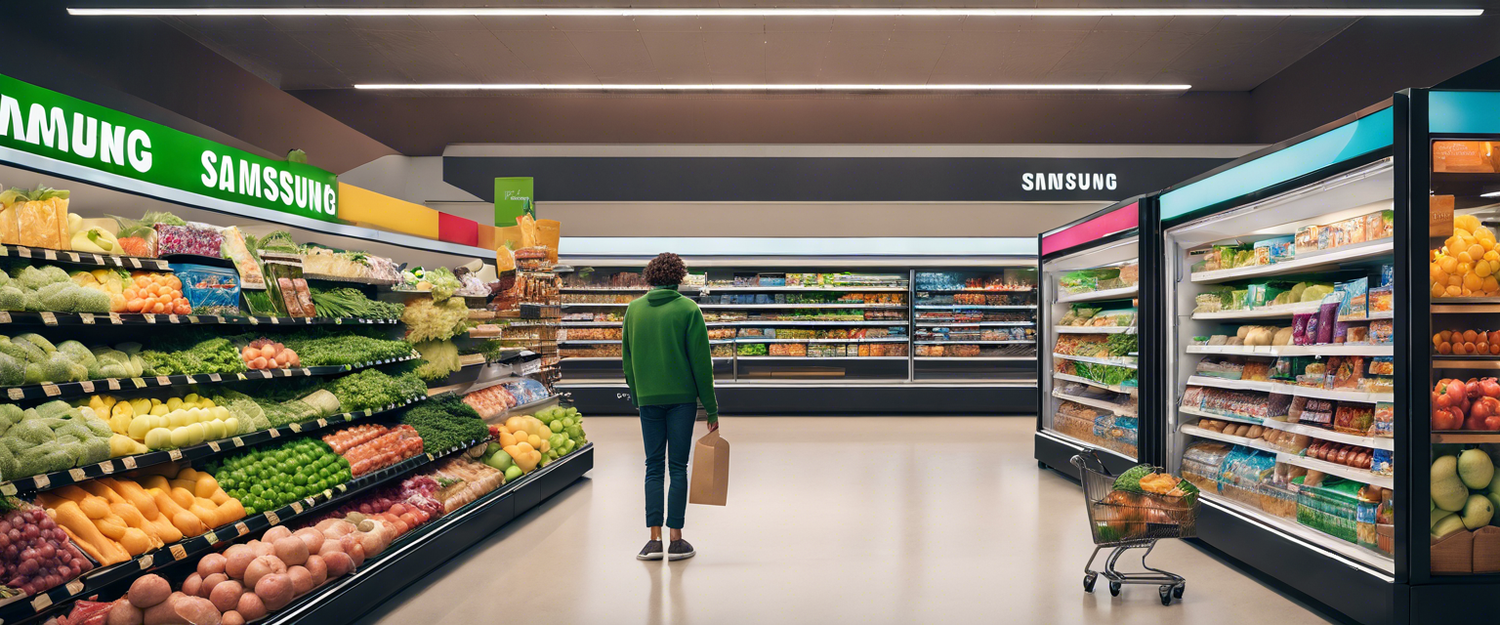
x=32 y=432
x=92 y=301
x=11 y=298
x=53 y=409
x=31 y=278
x=35 y=374
x=99 y=428
x=14 y=351
x=34 y=302
x=7 y=463
x=114 y=371
x=95 y=450
x=73 y=429
x=1131 y=479
x=76 y=350
x=15 y=445
x=55 y=274
x=39 y=341
x=61 y=297
x=60 y=368
x=4 y=277
x=9 y=415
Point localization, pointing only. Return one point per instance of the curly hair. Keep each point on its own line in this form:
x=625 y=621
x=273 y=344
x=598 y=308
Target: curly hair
x=665 y=270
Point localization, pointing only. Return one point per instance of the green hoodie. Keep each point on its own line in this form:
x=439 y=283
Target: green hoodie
x=665 y=352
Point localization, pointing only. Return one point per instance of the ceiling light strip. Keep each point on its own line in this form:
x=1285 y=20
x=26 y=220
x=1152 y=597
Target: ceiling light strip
x=764 y=12
x=771 y=87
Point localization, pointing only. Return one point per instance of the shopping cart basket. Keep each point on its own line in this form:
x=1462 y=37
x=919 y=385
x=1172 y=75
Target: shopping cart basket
x=1128 y=520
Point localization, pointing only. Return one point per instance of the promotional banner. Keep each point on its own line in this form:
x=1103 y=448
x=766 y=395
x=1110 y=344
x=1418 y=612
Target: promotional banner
x=513 y=198
x=46 y=123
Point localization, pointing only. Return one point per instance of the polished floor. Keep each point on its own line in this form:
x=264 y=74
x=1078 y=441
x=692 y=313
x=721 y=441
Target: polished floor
x=830 y=520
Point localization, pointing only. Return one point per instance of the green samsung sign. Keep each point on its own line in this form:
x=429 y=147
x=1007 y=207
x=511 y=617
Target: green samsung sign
x=46 y=123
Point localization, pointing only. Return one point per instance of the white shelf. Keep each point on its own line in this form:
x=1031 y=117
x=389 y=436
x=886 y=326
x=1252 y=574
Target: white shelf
x=977 y=358
x=1097 y=403
x=785 y=306
x=1313 y=538
x=972 y=324
x=768 y=324
x=1253 y=443
x=1129 y=364
x=1210 y=415
x=1094 y=296
x=803 y=289
x=1334 y=468
x=963 y=342
x=1082 y=380
x=1293 y=350
x=1238 y=385
x=1264 y=312
x=1332 y=395
x=1302 y=264
x=970 y=307
x=974 y=291
x=1375 y=442
x=1095 y=329
x=1384 y=314
x=756 y=339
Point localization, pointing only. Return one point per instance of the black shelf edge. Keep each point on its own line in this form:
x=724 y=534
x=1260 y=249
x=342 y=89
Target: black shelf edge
x=132 y=319
x=125 y=464
x=102 y=578
x=83 y=258
x=66 y=390
x=426 y=548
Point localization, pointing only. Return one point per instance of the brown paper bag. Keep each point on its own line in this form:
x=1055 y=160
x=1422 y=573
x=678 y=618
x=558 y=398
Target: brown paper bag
x=709 y=484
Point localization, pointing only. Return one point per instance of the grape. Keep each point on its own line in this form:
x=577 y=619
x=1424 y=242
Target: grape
x=47 y=551
x=27 y=568
x=32 y=532
x=29 y=555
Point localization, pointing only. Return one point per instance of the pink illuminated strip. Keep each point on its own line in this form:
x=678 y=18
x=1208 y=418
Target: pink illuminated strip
x=1118 y=220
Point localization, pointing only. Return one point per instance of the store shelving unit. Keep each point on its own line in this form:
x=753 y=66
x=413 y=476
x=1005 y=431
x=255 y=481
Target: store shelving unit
x=1339 y=173
x=1091 y=265
x=97 y=190
x=783 y=347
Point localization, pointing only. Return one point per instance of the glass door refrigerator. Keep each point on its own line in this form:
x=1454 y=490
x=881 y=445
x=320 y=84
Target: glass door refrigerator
x=1089 y=355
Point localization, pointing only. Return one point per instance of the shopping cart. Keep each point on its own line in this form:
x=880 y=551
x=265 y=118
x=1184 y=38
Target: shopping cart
x=1127 y=520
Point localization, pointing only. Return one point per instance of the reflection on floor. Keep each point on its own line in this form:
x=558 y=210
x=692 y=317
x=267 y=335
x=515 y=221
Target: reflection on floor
x=830 y=520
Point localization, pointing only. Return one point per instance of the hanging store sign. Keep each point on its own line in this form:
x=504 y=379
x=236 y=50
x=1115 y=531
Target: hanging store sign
x=45 y=123
x=514 y=197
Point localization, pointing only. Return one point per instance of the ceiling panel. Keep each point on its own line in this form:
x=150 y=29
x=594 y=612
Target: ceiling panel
x=1210 y=53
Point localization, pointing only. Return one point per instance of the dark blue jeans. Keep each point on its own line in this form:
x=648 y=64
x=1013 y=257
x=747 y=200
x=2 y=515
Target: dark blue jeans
x=668 y=433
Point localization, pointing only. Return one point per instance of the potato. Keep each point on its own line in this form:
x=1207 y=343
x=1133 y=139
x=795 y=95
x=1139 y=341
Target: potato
x=276 y=533
x=261 y=567
x=313 y=537
x=210 y=564
x=192 y=585
x=236 y=559
x=148 y=590
x=207 y=589
x=125 y=613
x=318 y=569
x=251 y=607
x=302 y=580
x=339 y=564
x=275 y=590
x=226 y=596
x=231 y=618
x=1242 y=332
x=291 y=550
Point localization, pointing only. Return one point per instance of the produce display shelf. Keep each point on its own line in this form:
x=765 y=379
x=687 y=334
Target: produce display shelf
x=89 y=319
x=1467 y=362
x=800 y=289
x=762 y=324
x=1330 y=394
x=1081 y=444
x=1253 y=443
x=1303 y=264
x=1379 y=314
x=1305 y=534
x=1095 y=329
x=972 y=307
x=1082 y=380
x=1374 y=442
x=1466 y=437
x=1117 y=362
x=964 y=342
x=591 y=324
x=83 y=258
x=1239 y=385
x=1333 y=468
x=62 y=390
x=125 y=464
x=785 y=306
x=1263 y=312
x=103 y=577
x=928 y=323
x=884 y=339
x=590 y=342
x=976 y=290
x=1466 y=305
x=820 y=358
x=1294 y=350
x=411 y=555
x=1097 y=403
x=1128 y=292
x=612 y=289
x=1214 y=415
x=593 y=305
x=974 y=358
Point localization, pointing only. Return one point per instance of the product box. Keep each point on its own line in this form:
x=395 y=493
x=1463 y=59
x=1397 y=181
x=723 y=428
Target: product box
x=1306 y=240
x=1462 y=157
x=1380 y=225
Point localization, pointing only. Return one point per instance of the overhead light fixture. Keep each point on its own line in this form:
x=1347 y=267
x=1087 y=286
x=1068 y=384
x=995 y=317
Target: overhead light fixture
x=1490 y=194
x=765 y=12
x=768 y=87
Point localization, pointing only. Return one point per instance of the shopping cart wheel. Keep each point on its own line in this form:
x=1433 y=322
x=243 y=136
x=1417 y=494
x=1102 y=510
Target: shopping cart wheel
x=1166 y=595
x=1114 y=589
x=1088 y=582
x=1177 y=591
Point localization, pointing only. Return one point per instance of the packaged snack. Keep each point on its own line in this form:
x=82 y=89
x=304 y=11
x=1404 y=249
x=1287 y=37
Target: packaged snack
x=1382 y=332
x=1354 y=419
x=1382 y=300
x=244 y=262
x=1284 y=370
x=1356 y=334
x=1325 y=237
x=1383 y=365
x=1340 y=332
x=1262 y=255
x=1300 y=322
x=191 y=238
x=1351 y=231
x=209 y=290
x=1317 y=413
x=1346 y=372
x=1383 y=463
x=1356 y=297
x=1294 y=410
x=1219 y=367
x=1281 y=248
x=1256 y=370
x=1380 y=225
x=1328 y=314
x=1227 y=257
x=1306 y=240
x=1385 y=420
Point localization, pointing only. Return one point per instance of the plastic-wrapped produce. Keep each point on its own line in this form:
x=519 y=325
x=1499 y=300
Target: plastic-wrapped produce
x=244 y=262
x=190 y=238
x=35 y=218
x=209 y=290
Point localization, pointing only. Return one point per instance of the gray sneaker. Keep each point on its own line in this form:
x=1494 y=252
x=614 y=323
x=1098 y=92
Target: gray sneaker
x=652 y=551
x=680 y=550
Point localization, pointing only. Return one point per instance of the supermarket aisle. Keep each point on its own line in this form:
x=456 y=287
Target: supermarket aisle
x=847 y=520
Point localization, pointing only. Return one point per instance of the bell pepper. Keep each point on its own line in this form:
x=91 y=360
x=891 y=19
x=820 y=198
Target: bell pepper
x=96 y=240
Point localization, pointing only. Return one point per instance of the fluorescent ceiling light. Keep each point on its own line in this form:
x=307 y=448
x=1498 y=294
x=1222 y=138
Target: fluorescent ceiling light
x=767 y=12
x=1490 y=194
x=771 y=87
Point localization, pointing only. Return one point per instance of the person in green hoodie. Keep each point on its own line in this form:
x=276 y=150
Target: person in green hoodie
x=668 y=368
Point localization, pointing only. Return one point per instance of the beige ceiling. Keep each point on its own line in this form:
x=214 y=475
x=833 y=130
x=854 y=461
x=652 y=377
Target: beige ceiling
x=1212 y=54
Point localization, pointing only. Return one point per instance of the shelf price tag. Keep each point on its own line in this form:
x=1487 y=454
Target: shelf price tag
x=134 y=262
x=348 y=416
x=4 y=317
x=15 y=393
x=241 y=528
x=162 y=380
x=8 y=489
x=150 y=317
x=108 y=467
x=72 y=257
x=49 y=389
x=172 y=319
x=49 y=254
x=214 y=377
x=297 y=427
x=86 y=318
x=114 y=318
x=175 y=454
x=77 y=474
x=190 y=380
x=214 y=445
x=178 y=552
x=322 y=423
x=275 y=433
x=146 y=561
x=138 y=382
x=238 y=442
x=87 y=386
x=275 y=321
x=42 y=481
x=113 y=384
x=129 y=462
x=211 y=537
x=23 y=252
x=255 y=321
x=49 y=318
x=296 y=507
x=41 y=602
x=272 y=518
x=192 y=318
x=75 y=586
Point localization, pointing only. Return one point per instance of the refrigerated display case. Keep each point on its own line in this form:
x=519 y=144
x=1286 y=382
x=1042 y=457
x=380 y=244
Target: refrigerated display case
x=793 y=332
x=1088 y=353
